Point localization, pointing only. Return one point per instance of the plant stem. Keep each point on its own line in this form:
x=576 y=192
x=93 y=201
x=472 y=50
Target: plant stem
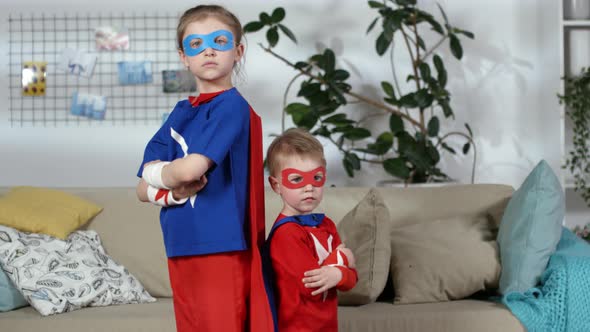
x=416 y=76
x=396 y=82
x=417 y=62
x=433 y=48
x=472 y=143
x=364 y=99
x=368 y=117
x=409 y=47
x=285 y=101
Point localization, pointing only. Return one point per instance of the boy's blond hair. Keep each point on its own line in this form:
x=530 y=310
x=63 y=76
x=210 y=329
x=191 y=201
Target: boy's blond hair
x=294 y=141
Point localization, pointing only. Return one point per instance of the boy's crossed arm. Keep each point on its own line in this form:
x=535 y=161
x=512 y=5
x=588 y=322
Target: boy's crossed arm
x=337 y=270
x=289 y=251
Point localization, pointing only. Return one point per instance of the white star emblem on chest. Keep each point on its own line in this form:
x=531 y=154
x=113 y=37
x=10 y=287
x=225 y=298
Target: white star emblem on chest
x=180 y=140
x=322 y=253
x=320 y=250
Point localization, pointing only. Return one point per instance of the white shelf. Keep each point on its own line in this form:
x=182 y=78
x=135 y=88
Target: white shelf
x=569 y=181
x=568 y=60
x=576 y=23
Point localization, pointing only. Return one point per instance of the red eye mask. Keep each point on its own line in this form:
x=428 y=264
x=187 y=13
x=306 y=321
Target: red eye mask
x=305 y=177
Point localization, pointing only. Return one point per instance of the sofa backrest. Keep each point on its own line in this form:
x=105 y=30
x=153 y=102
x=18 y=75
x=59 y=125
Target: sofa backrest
x=130 y=230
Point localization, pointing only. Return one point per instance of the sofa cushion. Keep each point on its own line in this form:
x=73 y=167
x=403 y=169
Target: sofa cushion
x=418 y=204
x=365 y=230
x=47 y=211
x=131 y=233
x=454 y=316
x=148 y=317
x=443 y=260
x=530 y=229
x=10 y=297
x=58 y=276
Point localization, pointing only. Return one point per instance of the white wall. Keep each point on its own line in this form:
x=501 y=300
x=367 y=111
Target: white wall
x=505 y=88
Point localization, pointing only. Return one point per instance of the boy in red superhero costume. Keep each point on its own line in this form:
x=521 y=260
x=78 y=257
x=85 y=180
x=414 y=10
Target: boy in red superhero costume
x=305 y=260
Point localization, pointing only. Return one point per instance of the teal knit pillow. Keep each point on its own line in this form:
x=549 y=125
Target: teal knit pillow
x=10 y=297
x=530 y=229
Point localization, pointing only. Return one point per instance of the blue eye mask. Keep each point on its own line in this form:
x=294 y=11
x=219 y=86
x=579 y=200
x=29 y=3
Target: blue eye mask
x=195 y=44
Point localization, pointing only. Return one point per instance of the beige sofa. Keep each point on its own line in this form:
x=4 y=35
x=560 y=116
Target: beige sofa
x=131 y=234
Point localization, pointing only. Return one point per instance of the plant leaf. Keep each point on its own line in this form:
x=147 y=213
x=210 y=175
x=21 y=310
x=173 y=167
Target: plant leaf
x=308 y=120
x=424 y=71
x=253 y=26
x=409 y=100
x=468 y=34
x=339 y=118
x=278 y=15
x=297 y=108
x=372 y=25
x=423 y=98
x=382 y=145
x=340 y=75
x=443 y=13
x=342 y=129
x=469 y=130
x=265 y=18
x=388 y=89
x=456 y=48
x=382 y=44
x=301 y=65
x=376 y=4
x=337 y=93
x=433 y=154
x=392 y=101
x=329 y=60
x=347 y=167
x=421 y=43
x=272 y=36
x=287 y=32
x=433 y=126
x=466 y=147
x=448 y=148
x=433 y=22
x=309 y=89
x=406 y=2
x=396 y=124
x=357 y=133
x=322 y=131
x=447 y=110
x=397 y=167
x=354 y=160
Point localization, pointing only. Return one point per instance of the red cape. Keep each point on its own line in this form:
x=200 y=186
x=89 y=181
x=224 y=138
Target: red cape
x=260 y=317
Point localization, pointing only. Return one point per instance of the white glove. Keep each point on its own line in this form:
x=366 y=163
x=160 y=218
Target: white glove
x=152 y=174
x=163 y=197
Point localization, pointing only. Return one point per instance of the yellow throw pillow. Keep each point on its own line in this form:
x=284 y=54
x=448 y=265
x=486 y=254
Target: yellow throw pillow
x=46 y=211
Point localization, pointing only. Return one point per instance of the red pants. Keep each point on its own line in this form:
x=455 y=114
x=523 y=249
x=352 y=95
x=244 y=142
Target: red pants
x=210 y=292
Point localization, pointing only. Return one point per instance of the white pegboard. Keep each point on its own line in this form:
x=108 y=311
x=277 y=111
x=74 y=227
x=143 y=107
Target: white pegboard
x=40 y=37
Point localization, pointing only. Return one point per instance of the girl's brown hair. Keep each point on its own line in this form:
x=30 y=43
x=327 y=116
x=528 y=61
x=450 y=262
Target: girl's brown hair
x=201 y=12
x=294 y=141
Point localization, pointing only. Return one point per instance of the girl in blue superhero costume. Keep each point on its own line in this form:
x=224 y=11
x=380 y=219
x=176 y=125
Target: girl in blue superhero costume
x=202 y=167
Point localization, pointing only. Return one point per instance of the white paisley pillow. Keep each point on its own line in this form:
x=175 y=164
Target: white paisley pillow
x=57 y=276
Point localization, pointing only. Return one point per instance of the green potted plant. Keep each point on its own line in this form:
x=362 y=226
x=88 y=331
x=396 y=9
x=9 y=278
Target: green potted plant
x=410 y=149
x=576 y=99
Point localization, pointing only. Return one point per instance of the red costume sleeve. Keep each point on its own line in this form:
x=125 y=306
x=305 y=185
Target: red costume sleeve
x=292 y=256
x=349 y=275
